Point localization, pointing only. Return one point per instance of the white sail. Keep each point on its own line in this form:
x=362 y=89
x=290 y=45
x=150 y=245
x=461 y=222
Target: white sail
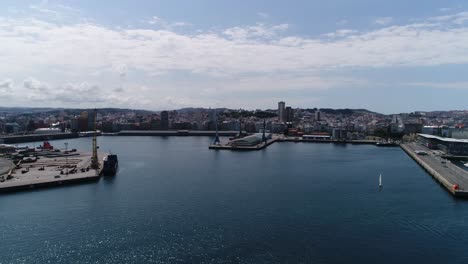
x=380 y=180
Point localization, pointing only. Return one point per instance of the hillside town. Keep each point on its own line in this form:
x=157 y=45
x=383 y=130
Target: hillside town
x=288 y=120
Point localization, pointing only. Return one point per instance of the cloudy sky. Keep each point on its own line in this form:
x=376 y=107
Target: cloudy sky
x=386 y=56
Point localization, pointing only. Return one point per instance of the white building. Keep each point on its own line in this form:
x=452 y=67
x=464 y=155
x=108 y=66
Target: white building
x=47 y=131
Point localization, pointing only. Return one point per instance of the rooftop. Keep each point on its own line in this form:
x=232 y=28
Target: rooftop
x=454 y=140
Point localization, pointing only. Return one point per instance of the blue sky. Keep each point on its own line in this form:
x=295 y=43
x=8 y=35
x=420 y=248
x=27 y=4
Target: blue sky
x=387 y=56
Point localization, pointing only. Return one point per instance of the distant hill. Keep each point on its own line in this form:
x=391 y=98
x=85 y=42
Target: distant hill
x=195 y=109
x=345 y=111
x=76 y=111
x=68 y=110
x=23 y=109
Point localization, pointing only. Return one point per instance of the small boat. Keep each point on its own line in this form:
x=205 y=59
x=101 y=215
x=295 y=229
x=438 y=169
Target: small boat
x=380 y=181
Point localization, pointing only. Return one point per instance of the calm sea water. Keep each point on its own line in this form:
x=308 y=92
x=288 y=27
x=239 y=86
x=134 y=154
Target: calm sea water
x=175 y=201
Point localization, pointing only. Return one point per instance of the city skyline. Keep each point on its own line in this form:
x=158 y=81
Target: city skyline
x=386 y=57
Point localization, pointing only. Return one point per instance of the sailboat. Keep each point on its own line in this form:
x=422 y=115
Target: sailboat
x=380 y=181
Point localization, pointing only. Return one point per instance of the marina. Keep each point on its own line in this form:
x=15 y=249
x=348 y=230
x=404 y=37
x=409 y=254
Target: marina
x=47 y=168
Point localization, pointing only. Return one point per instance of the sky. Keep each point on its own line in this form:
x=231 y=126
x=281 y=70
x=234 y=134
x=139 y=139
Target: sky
x=386 y=56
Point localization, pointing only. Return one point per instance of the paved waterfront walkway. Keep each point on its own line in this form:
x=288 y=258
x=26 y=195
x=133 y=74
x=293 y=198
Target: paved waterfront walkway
x=450 y=172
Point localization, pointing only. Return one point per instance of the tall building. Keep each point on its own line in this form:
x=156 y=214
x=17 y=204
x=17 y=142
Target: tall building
x=289 y=114
x=164 y=120
x=83 y=121
x=281 y=112
x=317 y=115
x=339 y=133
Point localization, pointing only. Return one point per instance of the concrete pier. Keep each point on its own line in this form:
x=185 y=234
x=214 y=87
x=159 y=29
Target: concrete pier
x=446 y=173
x=51 y=170
x=280 y=138
x=292 y=139
x=227 y=146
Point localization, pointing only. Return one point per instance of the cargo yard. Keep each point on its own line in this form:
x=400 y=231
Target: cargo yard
x=48 y=168
x=23 y=168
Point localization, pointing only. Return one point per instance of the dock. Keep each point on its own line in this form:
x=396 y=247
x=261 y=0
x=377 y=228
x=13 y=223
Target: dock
x=335 y=141
x=447 y=174
x=277 y=138
x=50 y=170
x=228 y=146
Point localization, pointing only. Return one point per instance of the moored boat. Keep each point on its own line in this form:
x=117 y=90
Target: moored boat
x=111 y=164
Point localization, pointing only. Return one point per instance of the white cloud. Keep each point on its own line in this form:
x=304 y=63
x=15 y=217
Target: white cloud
x=90 y=48
x=35 y=85
x=341 y=33
x=457 y=18
x=383 y=20
x=342 y=22
x=263 y=15
x=258 y=31
x=461 y=18
x=6 y=85
x=121 y=69
x=52 y=11
x=441 y=85
x=444 y=9
x=157 y=21
x=43 y=10
x=88 y=60
x=73 y=94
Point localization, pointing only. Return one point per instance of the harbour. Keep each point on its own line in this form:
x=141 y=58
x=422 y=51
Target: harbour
x=35 y=175
x=237 y=205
